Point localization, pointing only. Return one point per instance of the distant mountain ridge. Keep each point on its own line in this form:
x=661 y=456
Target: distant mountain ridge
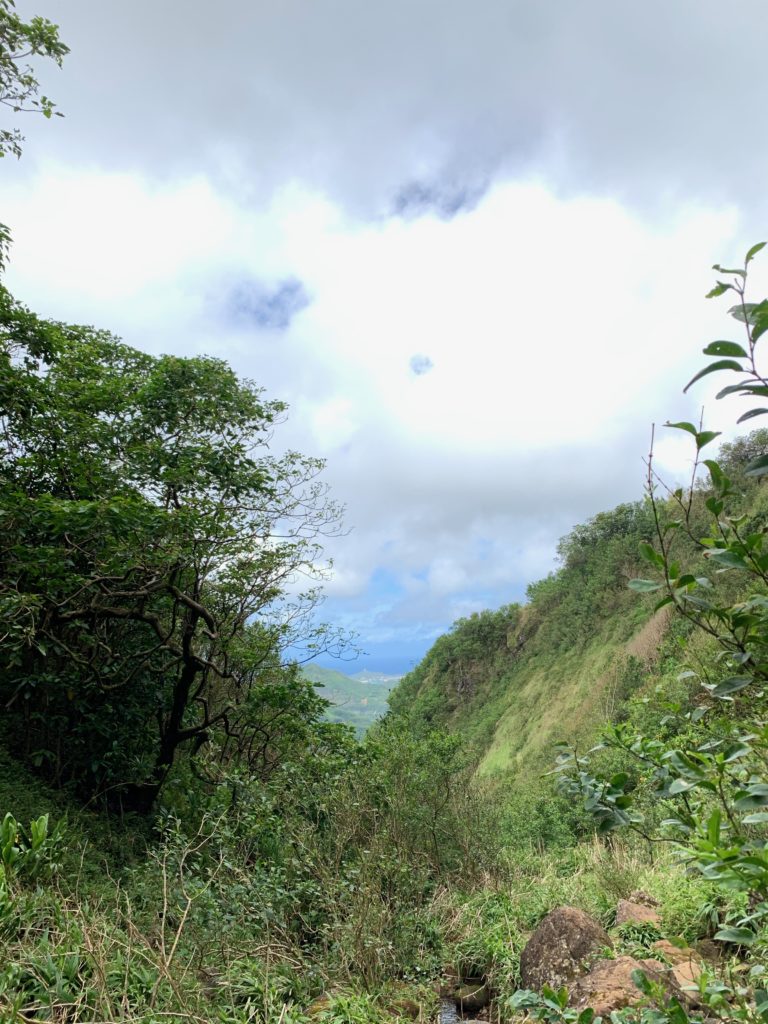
x=357 y=700
x=376 y=678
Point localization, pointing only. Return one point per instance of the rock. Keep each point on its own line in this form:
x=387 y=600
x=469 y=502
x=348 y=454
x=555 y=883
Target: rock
x=449 y=981
x=673 y=954
x=640 y=896
x=709 y=950
x=628 y=912
x=687 y=977
x=471 y=998
x=609 y=986
x=556 y=952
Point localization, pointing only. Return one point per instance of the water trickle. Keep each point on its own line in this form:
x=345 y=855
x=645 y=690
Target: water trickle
x=448 y=1012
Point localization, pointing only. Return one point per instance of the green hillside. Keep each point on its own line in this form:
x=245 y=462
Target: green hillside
x=356 y=702
x=516 y=681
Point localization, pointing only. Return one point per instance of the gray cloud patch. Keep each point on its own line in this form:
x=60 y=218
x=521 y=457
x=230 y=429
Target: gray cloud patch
x=252 y=303
x=421 y=364
x=444 y=199
x=354 y=99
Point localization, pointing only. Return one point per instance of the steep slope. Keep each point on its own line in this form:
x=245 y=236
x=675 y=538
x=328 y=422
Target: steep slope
x=518 y=680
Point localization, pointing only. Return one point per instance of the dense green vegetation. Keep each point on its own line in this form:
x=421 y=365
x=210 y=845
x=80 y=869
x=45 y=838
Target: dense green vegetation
x=274 y=868
x=189 y=832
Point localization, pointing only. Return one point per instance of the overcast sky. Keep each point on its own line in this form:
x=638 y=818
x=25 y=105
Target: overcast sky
x=467 y=243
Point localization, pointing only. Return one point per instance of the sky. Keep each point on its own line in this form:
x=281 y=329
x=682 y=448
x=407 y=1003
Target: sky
x=467 y=244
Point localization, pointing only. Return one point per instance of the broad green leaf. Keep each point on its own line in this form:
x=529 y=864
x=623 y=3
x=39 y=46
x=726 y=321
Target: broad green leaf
x=760 y=326
x=688 y=427
x=732 y=685
x=742 y=936
x=728 y=558
x=721 y=364
x=725 y=348
x=644 y=586
x=705 y=437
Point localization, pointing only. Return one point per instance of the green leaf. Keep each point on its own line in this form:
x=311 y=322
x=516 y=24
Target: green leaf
x=732 y=389
x=705 y=437
x=720 y=288
x=756 y=819
x=641 y=981
x=725 y=348
x=721 y=364
x=751 y=253
x=742 y=936
x=751 y=414
x=728 y=270
x=732 y=685
x=650 y=554
x=680 y=786
x=758 y=466
x=688 y=427
x=713 y=827
x=644 y=586
x=730 y=559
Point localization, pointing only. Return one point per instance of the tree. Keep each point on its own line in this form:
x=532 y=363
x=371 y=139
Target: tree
x=19 y=88
x=149 y=555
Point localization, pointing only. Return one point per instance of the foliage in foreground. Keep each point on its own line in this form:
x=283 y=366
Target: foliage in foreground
x=712 y=777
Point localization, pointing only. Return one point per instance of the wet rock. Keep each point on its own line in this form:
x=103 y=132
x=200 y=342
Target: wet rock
x=472 y=998
x=628 y=912
x=609 y=986
x=560 y=948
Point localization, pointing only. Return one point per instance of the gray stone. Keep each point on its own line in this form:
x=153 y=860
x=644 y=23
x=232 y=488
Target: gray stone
x=561 y=947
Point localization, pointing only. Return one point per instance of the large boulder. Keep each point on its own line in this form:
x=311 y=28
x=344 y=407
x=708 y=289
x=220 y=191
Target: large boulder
x=629 y=912
x=608 y=986
x=561 y=948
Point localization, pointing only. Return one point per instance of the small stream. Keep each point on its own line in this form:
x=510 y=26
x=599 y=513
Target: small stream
x=450 y=1015
x=448 y=1012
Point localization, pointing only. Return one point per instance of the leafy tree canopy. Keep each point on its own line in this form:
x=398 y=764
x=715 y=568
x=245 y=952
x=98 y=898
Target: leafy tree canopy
x=150 y=555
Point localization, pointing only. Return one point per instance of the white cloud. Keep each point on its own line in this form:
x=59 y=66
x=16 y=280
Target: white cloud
x=557 y=319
